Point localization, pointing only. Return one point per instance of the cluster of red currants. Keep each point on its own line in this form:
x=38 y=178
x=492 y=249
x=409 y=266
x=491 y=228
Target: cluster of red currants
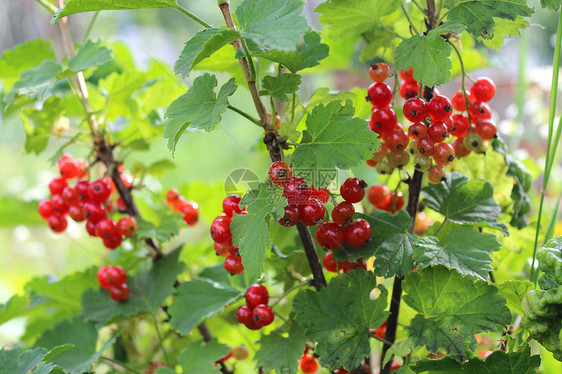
x=189 y=208
x=305 y=204
x=222 y=236
x=308 y=363
x=380 y=196
x=89 y=201
x=256 y=313
x=114 y=278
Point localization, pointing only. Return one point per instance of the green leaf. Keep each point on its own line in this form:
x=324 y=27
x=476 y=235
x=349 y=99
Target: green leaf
x=465 y=202
x=498 y=362
x=24 y=57
x=148 y=290
x=428 y=56
x=280 y=86
x=168 y=228
x=347 y=17
x=199 y=299
x=38 y=124
x=334 y=139
x=14 y=361
x=35 y=83
x=200 y=357
x=339 y=317
x=273 y=24
x=14 y=212
x=514 y=291
x=199 y=108
x=465 y=250
x=201 y=46
x=451 y=309
x=83 y=335
x=81 y=6
x=399 y=349
x=521 y=187
x=250 y=231
x=90 y=54
x=478 y=15
x=380 y=42
x=308 y=54
x=281 y=351
x=551 y=4
x=158 y=169
x=506 y=28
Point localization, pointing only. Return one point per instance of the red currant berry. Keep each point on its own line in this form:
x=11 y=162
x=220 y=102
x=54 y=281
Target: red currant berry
x=395 y=366
x=320 y=194
x=119 y=293
x=330 y=262
x=57 y=223
x=111 y=276
x=479 y=111
x=398 y=159
x=220 y=231
x=377 y=193
x=127 y=226
x=439 y=108
x=46 y=208
x=311 y=213
x=70 y=169
x=353 y=190
x=409 y=89
x=393 y=203
x=444 y=154
x=95 y=212
x=280 y=173
x=190 y=211
x=426 y=147
x=308 y=364
x=99 y=191
x=460 y=149
x=460 y=125
x=380 y=332
x=438 y=132
x=330 y=236
x=291 y=216
x=244 y=314
x=56 y=186
x=417 y=131
x=436 y=174
x=342 y=213
x=224 y=249
x=347 y=266
x=486 y=129
x=459 y=101
x=263 y=315
x=256 y=294
x=59 y=204
x=483 y=90
x=81 y=189
x=380 y=95
x=383 y=120
x=233 y=265
x=472 y=141
x=91 y=228
x=415 y=109
x=296 y=191
x=172 y=195
x=70 y=196
x=397 y=140
x=407 y=75
x=112 y=241
x=358 y=233
x=379 y=72
x=77 y=213
x=252 y=325
x=106 y=228
x=230 y=205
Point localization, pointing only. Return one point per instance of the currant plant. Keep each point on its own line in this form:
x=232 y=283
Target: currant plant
x=314 y=279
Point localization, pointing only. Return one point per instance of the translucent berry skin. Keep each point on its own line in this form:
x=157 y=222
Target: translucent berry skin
x=417 y=131
x=460 y=125
x=357 y=234
x=409 y=89
x=291 y=216
x=256 y=294
x=111 y=276
x=77 y=213
x=380 y=94
x=319 y=194
x=60 y=205
x=422 y=163
x=444 y=154
x=46 y=208
x=353 y=190
x=81 y=189
x=397 y=140
x=244 y=314
x=486 y=129
x=91 y=228
x=99 y=191
x=379 y=72
x=483 y=90
x=57 y=223
x=479 y=111
x=460 y=149
x=106 y=228
x=296 y=191
x=398 y=159
x=233 y=265
x=70 y=169
x=311 y=213
x=220 y=231
x=230 y=205
x=330 y=262
x=342 y=212
x=383 y=120
x=56 y=186
x=384 y=168
x=330 y=236
x=190 y=211
x=252 y=325
x=112 y=242
x=127 y=226
x=426 y=147
x=436 y=174
x=407 y=75
x=377 y=193
x=120 y=293
x=70 y=196
x=263 y=315
x=380 y=332
x=438 y=132
x=95 y=212
x=308 y=364
x=396 y=202
x=224 y=249
x=439 y=108
x=415 y=109
x=279 y=173
x=472 y=142
x=459 y=101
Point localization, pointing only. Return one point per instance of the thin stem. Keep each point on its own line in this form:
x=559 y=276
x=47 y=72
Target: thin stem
x=160 y=340
x=419 y=6
x=250 y=60
x=111 y=361
x=463 y=78
x=286 y=293
x=440 y=227
x=207 y=336
x=312 y=256
x=50 y=7
x=192 y=16
x=549 y=160
x=439 y=8
x=91 y=25
x=408 y=18
x=246 y=115
x=293 y=108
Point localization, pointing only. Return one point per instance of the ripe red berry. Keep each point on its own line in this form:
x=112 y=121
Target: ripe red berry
x=95 y=212
x=256 y=294
x=486 y=129
x=291 y=216
x=252 y=325
x=415 y=109
x=70 y=169
x=91 y=228
x=172 y=195
x=127 y=226
x=330 y=262
x=230 y=205
x=224 y=249
x=426 y=147
x=111 y=276
x=296 y=191
x=330 y=236
x=459 y=101
x=81 y=189
x=77 y=213
x=444 y=154
x=244 y=314
x=479 y=111
x=436 y=174
x=342 y=212
x=233 y=265
x=319 y=194
x=70 y=196
x=357 y=234
x=263 y=315
x=57 y=222
x=379 y=72
x=438 y=132
x=377 y=193
x=383 y=120
x=119 y=293
x=106 y=228
x=113 y=241
x=279 y=173
x=380 y=332
x=190 y=211
x=380 y=94
x=417 y=131
x=99 y=190
x=346 y=266
x=393 y=203
x=409 y=89
x=407 y=75
x=308 y=364
x=353 y=190
x=56 y=186
x=460 y=125
x=311 y=213
x=460 y=149
x=397 y=140
x=220 y=231
x=483 y=90
x=46 y=208
x=439 y=108
x=60 y=205
x=395 y=366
